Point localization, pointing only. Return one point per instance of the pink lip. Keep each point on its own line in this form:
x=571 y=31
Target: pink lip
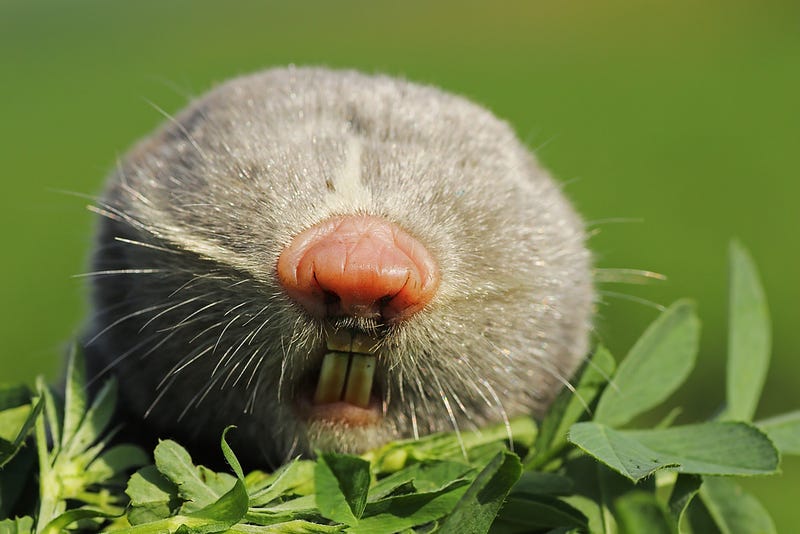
x=341 y=413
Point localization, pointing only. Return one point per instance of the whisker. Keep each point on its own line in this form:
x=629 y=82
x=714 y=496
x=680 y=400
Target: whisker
x=125 y=318
x=191 y=281
x=244 y=369
x=180 y=126
x=77 y=194
x=256 y=367
x=206 y=330
x=109 y=212
x=185 y=362
x=450 y=414
x=119 y=359
x=626 y=276
x=613 y=220
x=189 y=317
x=159 y=397
x=171 y=308
x=110 y=272
x=145 y=245
x=502 y=411
x=414 y=423
x=244 y=340
x=632 y=298
x=225 y=330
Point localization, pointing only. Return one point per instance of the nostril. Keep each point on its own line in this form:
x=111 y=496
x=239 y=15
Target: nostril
x=360 y=266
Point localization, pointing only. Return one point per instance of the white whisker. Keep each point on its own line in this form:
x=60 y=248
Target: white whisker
x=632 y=298
x=181 y=127
x=118 y=271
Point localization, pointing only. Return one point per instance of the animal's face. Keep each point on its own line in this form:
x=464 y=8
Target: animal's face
x=204 y=332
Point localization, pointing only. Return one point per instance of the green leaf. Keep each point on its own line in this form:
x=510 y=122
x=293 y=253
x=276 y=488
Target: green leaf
x=528 y=513
x=92 y=425
x=285 y=481
x=197 y=485
x=657 y=364
x=479 y=506
x=228 y=509
x=13 y=395
x=290 y=527
x=733 y=510
x=219 y=516
x=428 y=476
x=230 y=457
x=54 y=414
x=9 y=449
x=640 y=511
x=784 y=431
x=398 y=513
x=749 y=337
x=569 y=406
x=18 y=525
x=697 y=520
x=74 y=395
x=12 y=420
x=342 y=482
x=395 y=455
x=153 y=497
x=14 y=477
x=60 y=523
x=683 y=492
x=717 y=448
x=541 y=483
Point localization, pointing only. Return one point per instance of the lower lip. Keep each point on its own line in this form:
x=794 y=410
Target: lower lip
x=341 y=413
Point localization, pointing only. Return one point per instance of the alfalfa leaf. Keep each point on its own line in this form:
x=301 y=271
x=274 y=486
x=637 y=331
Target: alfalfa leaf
x=749 y=337
x=640 y=511
x=478 y=507
x=733 y=510
x=570 y=405
x=152 y=496
x=655 y=367
x=197 y=485
x=784 y=431
x=342 y=483
x=716 y=448
x=24 y=419
x=683 y=492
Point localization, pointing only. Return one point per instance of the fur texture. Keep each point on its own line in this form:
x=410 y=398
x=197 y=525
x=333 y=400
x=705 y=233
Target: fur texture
x=190 y=316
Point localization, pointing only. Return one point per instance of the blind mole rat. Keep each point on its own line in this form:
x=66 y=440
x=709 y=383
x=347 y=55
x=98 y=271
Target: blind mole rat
x=331 y=260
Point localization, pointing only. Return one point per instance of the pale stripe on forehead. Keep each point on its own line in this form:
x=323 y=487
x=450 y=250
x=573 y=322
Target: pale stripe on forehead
x=349 y=191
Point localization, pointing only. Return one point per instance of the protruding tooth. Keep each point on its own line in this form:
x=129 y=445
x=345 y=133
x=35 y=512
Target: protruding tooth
x=364 y=344
x=359 y=380
x=338 y=339
x=331 y=378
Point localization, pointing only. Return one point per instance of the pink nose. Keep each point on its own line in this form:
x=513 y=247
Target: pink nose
x=360 y=266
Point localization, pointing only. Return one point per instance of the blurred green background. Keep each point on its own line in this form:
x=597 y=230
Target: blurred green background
x=674 y=124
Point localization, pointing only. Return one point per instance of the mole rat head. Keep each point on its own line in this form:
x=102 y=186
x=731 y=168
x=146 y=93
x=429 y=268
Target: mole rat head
x=330 y=261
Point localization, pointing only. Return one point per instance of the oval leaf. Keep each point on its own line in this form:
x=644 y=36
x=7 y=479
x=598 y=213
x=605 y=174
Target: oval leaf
x=733 y=510
x=479 y=505
x=656 y=366
x=749 y=337
x=784 y=431
x=342 y=482
x=706 y=449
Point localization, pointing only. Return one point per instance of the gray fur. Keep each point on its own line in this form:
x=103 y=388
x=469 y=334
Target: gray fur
x=201 y=334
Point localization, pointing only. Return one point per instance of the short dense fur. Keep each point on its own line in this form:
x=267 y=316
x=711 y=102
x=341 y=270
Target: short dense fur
x=190 y=316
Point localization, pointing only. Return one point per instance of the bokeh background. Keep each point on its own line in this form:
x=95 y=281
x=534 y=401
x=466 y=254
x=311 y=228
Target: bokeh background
x=674 y=124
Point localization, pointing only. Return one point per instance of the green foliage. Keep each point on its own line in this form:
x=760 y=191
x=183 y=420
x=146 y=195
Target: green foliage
x=580 y=471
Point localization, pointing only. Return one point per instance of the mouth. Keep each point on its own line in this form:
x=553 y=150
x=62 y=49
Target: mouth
x=345 y=392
